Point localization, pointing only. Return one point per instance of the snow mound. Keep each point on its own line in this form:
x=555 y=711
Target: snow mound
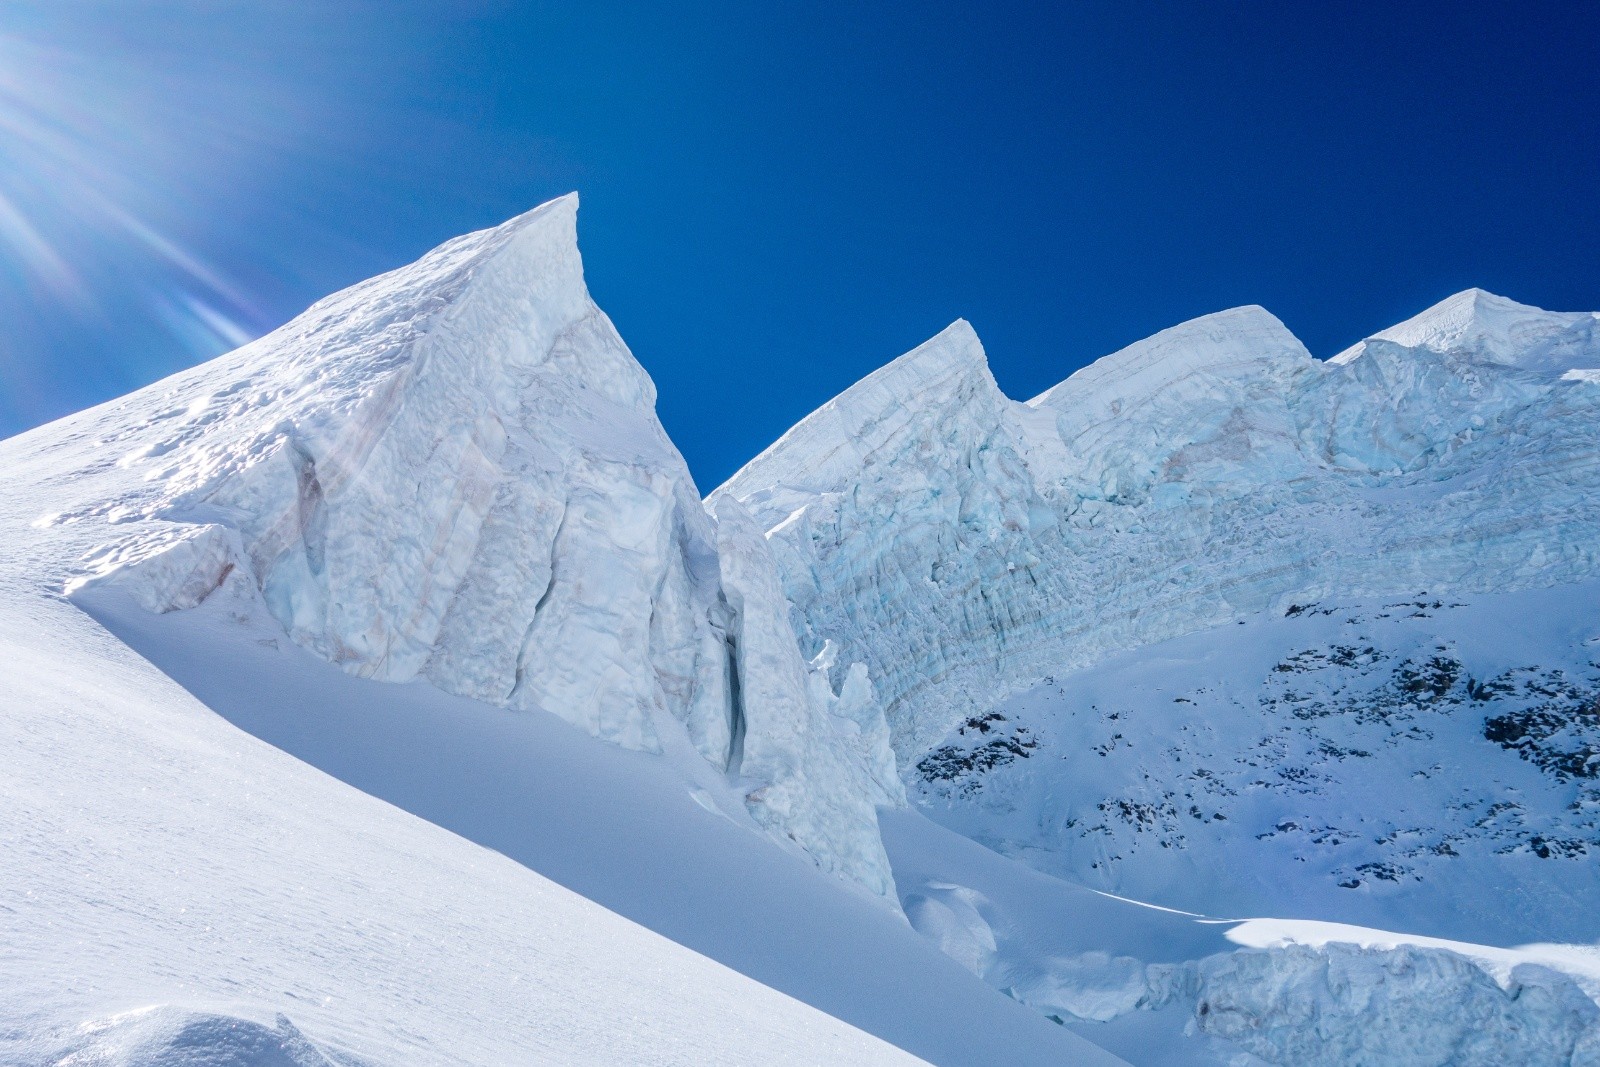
x=167 y=1036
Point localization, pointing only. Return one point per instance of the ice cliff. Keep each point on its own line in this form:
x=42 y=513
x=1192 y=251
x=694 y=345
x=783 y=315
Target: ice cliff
x=963 y=545
x=1419 y=763
x=454 y=472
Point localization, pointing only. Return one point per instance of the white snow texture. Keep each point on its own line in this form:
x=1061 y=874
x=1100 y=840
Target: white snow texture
x=963 y=545
x=966 y=547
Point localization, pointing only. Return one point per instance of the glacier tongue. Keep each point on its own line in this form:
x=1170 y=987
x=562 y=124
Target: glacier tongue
x=455 y=472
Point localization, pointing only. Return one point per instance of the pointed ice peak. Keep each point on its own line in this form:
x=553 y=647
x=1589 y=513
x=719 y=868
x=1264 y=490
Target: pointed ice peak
x=1239 y=338
x=945 y=375
x=445 y=270
x=553 y=223
x=555 y=218
x=953 y=352
x=1476 y=324
x=487 y=306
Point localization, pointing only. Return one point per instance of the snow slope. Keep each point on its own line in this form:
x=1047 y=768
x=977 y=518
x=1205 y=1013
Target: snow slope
x=160 y=862
x=663 y=839
x=1422 y=765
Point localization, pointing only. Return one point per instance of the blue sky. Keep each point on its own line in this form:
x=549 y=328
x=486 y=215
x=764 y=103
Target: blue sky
x=779 y=198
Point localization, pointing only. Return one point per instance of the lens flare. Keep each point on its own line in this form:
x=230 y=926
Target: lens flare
x=83 y=156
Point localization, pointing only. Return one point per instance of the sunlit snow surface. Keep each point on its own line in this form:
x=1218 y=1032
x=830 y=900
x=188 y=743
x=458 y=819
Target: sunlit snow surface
x=160 y=862
x=455 y=472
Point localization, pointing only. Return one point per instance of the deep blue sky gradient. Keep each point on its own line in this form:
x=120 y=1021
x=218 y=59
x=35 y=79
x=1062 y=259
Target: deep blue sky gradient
x=779 y=198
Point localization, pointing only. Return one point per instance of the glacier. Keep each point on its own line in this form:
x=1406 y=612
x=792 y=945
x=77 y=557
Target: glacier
x=383 y=693
x=395 y=658
x=963 y=545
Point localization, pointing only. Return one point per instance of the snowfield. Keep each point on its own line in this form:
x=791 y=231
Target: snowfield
x=384 y=693
x=174 y=888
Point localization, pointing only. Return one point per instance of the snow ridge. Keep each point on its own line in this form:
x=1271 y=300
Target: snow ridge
x=1482 y=326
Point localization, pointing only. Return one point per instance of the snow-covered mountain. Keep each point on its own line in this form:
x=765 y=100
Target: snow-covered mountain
x=383 y=692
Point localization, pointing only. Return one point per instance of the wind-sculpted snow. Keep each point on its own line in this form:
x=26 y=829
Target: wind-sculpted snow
x=1163 y=987
x=171 y=1037
x=963 y=546
x=455 y=472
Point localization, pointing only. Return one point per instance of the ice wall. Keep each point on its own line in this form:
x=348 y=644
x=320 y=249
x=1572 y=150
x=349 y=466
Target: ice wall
x=455 y=472
x=963 y=545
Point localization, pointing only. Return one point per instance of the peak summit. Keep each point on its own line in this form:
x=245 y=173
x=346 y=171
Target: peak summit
x=946 y=373
x=1239 y=337
x=1477 y=324
x=953 y=351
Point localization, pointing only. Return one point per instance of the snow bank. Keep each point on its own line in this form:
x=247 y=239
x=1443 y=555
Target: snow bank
x=167 y=1036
